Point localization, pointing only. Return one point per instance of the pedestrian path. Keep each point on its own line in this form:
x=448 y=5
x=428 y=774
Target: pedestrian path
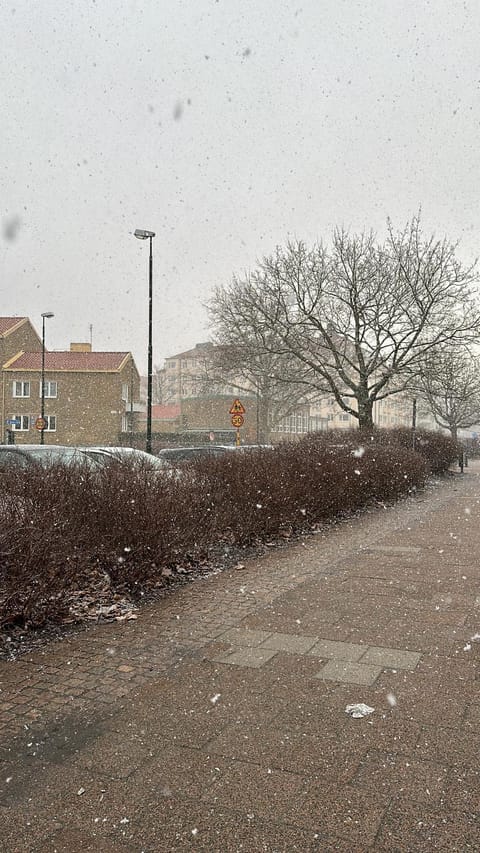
x=216 y=721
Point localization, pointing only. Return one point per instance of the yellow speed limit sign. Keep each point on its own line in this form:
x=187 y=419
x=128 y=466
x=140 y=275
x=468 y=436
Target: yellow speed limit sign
x=40 y=423
x=237 y=420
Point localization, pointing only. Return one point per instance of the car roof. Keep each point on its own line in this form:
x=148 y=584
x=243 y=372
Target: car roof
x=41 y=447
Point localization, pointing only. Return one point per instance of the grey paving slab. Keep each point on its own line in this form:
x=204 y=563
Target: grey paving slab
x=394 y=549
x=349 y=672
x=244 y=636
x=337 y=650
x=244 y=656
x=391 y=658
x=290 y=643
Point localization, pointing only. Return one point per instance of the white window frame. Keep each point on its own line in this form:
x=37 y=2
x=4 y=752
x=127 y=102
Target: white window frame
x=47 y=385
x=24 y=387
x=24 y=423
x=49 y=420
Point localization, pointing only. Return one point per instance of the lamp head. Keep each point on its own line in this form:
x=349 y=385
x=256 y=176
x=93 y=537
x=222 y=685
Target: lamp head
x=143 y=235
x=48 y=314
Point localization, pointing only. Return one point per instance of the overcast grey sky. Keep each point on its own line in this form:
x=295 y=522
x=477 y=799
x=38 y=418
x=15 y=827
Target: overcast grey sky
x=225 y=126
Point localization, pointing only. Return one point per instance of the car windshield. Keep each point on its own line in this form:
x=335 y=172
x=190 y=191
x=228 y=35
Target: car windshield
x=125 y=454
x=53 y=455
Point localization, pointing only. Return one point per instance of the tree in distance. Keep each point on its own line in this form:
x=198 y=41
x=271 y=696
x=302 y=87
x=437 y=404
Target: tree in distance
x=450 y=383
x=252 y=370
x=356 y=320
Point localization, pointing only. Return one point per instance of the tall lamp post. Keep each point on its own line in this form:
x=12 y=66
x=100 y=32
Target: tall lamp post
x=148 y=235
x=45 y=316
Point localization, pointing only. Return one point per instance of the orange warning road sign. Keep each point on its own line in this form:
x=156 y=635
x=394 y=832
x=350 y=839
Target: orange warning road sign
x=237 y=408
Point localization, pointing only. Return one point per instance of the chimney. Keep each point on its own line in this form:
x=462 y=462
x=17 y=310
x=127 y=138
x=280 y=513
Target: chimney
x=80 y=347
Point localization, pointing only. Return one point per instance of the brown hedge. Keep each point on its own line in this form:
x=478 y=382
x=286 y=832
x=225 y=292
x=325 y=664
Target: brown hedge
x=68 y=529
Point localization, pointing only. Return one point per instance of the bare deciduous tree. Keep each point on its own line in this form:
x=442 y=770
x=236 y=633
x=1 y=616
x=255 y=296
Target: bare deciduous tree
x=451 y=387
x=355 y=321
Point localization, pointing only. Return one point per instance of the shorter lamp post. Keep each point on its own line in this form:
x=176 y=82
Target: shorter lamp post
x=148 y=235
x=45 y=316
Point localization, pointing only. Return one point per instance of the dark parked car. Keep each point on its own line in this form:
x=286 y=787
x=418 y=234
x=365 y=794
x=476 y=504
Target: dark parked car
x=183 y=454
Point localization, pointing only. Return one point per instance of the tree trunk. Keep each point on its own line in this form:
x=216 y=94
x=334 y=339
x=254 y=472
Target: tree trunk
x=365 y=411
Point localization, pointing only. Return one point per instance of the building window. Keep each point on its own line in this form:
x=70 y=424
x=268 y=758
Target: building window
x=49 y=390
x=125 y=391
x=22 y=423
x=51 y=421
x=21 y=389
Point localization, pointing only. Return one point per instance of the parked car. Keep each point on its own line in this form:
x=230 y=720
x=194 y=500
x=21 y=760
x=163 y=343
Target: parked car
x=104 y=455
x=183 y=454
x=24 y=455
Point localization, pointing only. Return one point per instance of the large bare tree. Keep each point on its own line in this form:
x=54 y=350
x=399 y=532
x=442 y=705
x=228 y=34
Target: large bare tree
x=355 y=320
x=451 y=385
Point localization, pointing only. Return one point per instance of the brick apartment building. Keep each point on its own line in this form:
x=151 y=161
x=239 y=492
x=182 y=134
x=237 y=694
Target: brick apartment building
x=90 y=397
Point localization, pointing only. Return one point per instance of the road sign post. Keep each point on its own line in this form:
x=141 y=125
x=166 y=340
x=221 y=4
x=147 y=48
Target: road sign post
x=237 y=420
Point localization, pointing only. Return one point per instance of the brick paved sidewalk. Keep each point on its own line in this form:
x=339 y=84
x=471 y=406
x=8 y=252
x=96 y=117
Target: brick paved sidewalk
x=217 y=720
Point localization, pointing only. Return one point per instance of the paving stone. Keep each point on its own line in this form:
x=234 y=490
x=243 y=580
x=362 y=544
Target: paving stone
x=349 y=672
x=244 y=637
x=289 y=643
x=390 y=658
x=407 y=827
x=394 y=549
x=338 y=651
x=344 y=811
x=402 y=777
x=245 y=656
x=254 y=788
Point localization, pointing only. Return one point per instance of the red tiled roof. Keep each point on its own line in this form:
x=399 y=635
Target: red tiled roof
x=75 y=361
x=9 y=323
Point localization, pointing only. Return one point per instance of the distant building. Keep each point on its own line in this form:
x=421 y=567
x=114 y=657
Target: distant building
x=90 y=397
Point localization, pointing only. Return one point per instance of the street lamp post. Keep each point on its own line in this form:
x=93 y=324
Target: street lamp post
x=148 y=235
x=45 y=316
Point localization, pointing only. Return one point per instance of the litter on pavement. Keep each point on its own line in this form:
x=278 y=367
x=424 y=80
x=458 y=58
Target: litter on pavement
x=359 y=710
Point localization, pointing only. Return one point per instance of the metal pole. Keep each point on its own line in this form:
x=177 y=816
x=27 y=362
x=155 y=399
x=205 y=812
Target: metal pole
x=42 y=392
x=148 y=446
x=414 y=422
